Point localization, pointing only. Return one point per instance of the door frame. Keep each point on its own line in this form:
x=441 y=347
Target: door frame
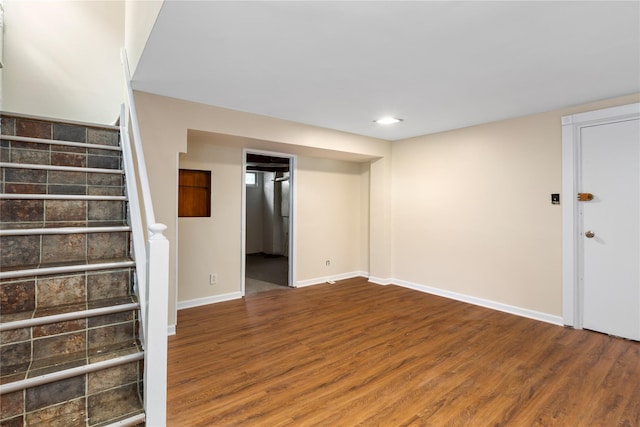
x=572 y=254
x=292 y=213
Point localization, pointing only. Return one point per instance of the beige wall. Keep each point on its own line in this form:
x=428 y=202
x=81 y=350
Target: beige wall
x=212 y=245
x=167 y=123
x=328 y=217
x=380 y=221
x=467 y=211
x=140 y=16
x=365 y=201
x=472 y=211
x=62 y=59
x=330 y=209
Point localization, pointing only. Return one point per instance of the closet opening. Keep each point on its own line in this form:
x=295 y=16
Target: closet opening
x=268 y=222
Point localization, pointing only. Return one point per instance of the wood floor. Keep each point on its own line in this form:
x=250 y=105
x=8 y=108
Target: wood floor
x=354 y=353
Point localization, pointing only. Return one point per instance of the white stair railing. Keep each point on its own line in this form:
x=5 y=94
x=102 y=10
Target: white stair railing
x=151 y=252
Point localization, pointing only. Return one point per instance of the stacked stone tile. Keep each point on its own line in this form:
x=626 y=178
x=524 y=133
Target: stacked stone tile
x=65 y=250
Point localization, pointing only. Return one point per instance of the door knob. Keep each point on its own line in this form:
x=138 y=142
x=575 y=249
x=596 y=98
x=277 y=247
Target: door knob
x=589 y=234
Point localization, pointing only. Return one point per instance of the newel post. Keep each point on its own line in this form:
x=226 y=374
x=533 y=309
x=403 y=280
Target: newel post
x=155 y=375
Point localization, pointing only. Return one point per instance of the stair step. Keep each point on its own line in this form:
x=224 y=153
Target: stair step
x=70 y=372
x=59 y=168
x=60 y=142
x=50 y=249
x=51 y=120
x=62 y=230
x=134 y=420
x=5 y=196
x=69 y=344
x=70 y=268
x=30 y=213
x=124 y=304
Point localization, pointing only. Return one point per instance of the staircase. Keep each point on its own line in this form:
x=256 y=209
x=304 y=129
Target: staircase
x=69 y=348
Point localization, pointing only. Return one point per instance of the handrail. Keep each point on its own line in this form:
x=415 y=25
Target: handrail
x=152 y=262
x=137 y=229
x=137 y=142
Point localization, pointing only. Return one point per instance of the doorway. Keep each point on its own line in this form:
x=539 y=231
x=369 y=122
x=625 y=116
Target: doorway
x=268 y=222
x=601 y=221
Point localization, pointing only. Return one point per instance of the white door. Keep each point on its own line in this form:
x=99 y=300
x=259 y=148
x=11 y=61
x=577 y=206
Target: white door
x=610 y=227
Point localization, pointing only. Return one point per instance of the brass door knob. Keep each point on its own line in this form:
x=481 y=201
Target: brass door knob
x=589 y=234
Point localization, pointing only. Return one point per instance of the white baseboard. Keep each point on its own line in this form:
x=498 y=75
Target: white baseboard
x=380 y=281
x=335 y=278
x=518 y=311
x=171 y=330
x=208 y=300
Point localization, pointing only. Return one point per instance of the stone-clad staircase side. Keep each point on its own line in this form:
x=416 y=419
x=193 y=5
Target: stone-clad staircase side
x=69 y=349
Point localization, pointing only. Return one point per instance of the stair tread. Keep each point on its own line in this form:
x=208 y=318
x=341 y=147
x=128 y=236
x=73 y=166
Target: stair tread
x=16 y=165
x=134 y=418
x=67 y=308
x=60 y=224
x=64 y=230
x=65 y=264
x=38 y=196
x=14 y=115
x=63 y=142
x=67 y=361
x=85 y=340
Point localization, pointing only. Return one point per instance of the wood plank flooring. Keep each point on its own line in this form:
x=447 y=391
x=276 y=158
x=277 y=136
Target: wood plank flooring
x=354 y=353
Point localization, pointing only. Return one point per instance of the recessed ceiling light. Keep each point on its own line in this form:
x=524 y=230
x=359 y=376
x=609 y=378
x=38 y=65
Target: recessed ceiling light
x=388 y=121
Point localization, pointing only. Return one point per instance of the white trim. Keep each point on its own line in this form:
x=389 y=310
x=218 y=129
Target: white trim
x=136 y=145
x=154 y=305
x=494 y=305
x=293 y=215
x=133 y=420
x=569 y=212
x=334 y=278
x=614 y=114
x=380 y=281
x=176 y=245
x=171 y=330
x=571 y=128
x=243 y=225
x=208 y=300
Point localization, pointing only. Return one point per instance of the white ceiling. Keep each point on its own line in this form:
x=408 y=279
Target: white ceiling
x=437 y=65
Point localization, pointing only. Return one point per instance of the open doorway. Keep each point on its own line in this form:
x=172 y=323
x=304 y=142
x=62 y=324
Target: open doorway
x=268 y=224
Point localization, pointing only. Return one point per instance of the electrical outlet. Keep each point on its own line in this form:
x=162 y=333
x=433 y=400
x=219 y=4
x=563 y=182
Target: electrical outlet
x=213 y=278
x=327 y=262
